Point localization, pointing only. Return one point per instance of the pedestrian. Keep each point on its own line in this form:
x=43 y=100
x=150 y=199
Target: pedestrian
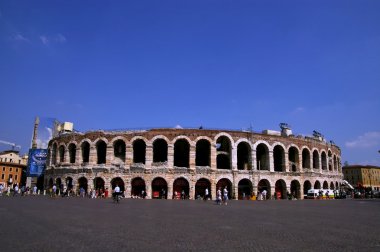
x=163 y=193
x=206 y=194
x=264 y=193
x=1 y=189
x=225 y=195
x=15 y=190
x=219 y=197
x=54 y=190
x=106 y=193
x=183 y=194
x=34 y=190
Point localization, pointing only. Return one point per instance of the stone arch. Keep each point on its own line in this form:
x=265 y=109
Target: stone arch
x=293 y=157
x=317 y=184
x=72 y=152
x=200 y=188
x=224 y=152
x=224 y=134
x=295 y=189
x=119 y=150
x=83 y=183
x=262 y=156
x=280 y=189
x=138 y=187
x=181 y=188
x=316 y=159
x=279 y=157
x=182 y=153
x=335 y=166
x=244 y=156
x=203 y=152
x=101 y=151
x=222 y=183
x=159 y=188
x=332 y=187
x=306 y=158
x=69 y=183
x=325 y=185
x=245 y=188
x=54 y=153
x=191 y=143
x=118 y=181
x=139 y=150
x=337 y=185
x=264 y=184
x=330 y=160
x=160 y=150
x=61 y=151
x=50 y=183
x=306 y=186
x=85 y=148
x=99 y=183
x=324 y=160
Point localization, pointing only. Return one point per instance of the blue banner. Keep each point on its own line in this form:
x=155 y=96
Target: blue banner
x=36 y=162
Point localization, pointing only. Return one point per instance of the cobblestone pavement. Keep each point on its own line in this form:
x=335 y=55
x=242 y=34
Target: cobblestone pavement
x=77 y=224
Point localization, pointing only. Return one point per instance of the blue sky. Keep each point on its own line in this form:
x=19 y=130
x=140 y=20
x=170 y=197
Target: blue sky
x=220 y=64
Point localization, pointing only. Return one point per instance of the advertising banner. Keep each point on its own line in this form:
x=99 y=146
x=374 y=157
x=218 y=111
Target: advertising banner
x=36 y=162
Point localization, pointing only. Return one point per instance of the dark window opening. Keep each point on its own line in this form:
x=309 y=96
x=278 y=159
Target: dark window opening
x=101 y=150
x=119 y=151
x=139 y=151
x=315 y=160
x=203 y=153
x=244 y=157
x=160 y=151
x=278 y=156
x=72 y=153
x=293 y=158
x=61 y=154
x=262 y=157
x=181 y=153
x=305 y=158
x=85 y=152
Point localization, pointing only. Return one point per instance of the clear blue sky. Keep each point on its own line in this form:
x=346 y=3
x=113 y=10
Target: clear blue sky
x=220 y=64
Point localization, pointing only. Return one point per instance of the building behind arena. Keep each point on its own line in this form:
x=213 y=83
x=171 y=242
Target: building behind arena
x=164 y=162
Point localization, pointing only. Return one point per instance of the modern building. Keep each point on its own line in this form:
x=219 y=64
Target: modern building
x=12 y=167
x=367 y=176
x=164 y=162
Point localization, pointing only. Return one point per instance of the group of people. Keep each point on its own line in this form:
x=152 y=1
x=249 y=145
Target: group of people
x=15 y=190
x=222 y=198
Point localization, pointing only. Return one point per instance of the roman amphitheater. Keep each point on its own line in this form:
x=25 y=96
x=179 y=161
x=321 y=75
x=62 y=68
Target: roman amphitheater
x=165 y=161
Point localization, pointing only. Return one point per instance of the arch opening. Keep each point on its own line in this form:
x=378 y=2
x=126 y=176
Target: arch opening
x=295 y=189
x=280 y=189
x=85 y=152
x=262 y=157
x=119 y=148
x=82 y=183
x=139 y=151
x=200 y=188
x=264 y=185
x=101 y=150
x=203 y=153
x=181 y=189
x=317 y=185
x=306 y=158
x=315 y=160
x=118 y=182
x=279 y=158
x=181 y=153
x=244 y=189
x=223 y=183
x=159 y=188
x=223 y=147
x=293 y=159
x=160 y=151
x=244 y=156
x=61 y=154
x=72 y=152
x=306 y=187
x=324 y=161
x=138 y=188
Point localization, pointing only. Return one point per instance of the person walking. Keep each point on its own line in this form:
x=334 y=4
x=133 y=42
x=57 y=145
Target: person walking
x=219 y=197
x=264 y=194
x=225 y=195
x=206 y=194
x=15 y=190
x=1 y=189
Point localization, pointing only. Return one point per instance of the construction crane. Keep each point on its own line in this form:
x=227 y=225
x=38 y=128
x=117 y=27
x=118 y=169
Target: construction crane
x=11 y=144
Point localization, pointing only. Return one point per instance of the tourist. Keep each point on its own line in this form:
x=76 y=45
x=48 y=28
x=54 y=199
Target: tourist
x=15 y=190
x=183 y=194
x=9 y=191
x=1 y=189
x=264 y=194
x=225 y=195
x=219 y=197
x=206 y=194
x=163 y=193
x=106 y=193
x=54 y=190
x=81 y=192
x=34 y=190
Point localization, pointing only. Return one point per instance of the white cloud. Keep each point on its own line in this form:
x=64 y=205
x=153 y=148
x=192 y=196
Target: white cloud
x=20 y=37
x=368 y=140
x=44 y=39
x=60 y=38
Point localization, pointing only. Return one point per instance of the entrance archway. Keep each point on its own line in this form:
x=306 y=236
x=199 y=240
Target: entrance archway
x=138 y=185
x=159 y=188
x=222 y=183
x=51 y=182
x=118 y=181
x=69 y=183
x=264 y=185
x=244 y=189
x=82 y=183
x=295 y=189
x=325 y=185
x=200 y=188
x=280 y=189
x=317 y=185
x=99 y=183
x=180 y=187
x=332 y=186
x=306 y=187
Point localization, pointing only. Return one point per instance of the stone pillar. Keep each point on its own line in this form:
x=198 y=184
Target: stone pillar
x=234 y=158
x=299 y=163
x=128 y=155
x=93 y=156
x=78 y=156
x=170 y=156
x=149 y=156
x=254 y=160
x=128 y=188
x=213 y=157
x=271 y=161
x=192 y=157
x=191 y=189
x=301 y=191
x=66 y=158
x=148 y=189
x=286 y=160
x=169 y=193
x=109 y=154
x=235 y=191
x=213 y=189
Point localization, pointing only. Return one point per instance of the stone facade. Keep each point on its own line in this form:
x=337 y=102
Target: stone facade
x=190 y=160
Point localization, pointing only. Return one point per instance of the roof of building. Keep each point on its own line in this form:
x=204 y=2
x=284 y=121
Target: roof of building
x=361 y=167
x=9 y=151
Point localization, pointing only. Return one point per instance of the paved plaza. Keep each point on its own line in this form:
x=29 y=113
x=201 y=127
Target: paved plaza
x=77 y=224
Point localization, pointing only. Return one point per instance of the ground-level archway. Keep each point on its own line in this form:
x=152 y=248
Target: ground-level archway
x=244 y=189
x=332 y=186
x=317 y=185
x=306 y=187
x=295 y=189
x=325 y=185
x=99 y=184
x=200 y=188
x=280 y=189
x=181 y=189
x=69 y=183
x=138 y=187
x=222 y=183
x=159 y=188
x=264 y=185
x=82 y=183
x=118 y=182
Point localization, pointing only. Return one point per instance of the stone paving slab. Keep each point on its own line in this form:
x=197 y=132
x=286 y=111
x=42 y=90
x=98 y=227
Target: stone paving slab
x=77 y=224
